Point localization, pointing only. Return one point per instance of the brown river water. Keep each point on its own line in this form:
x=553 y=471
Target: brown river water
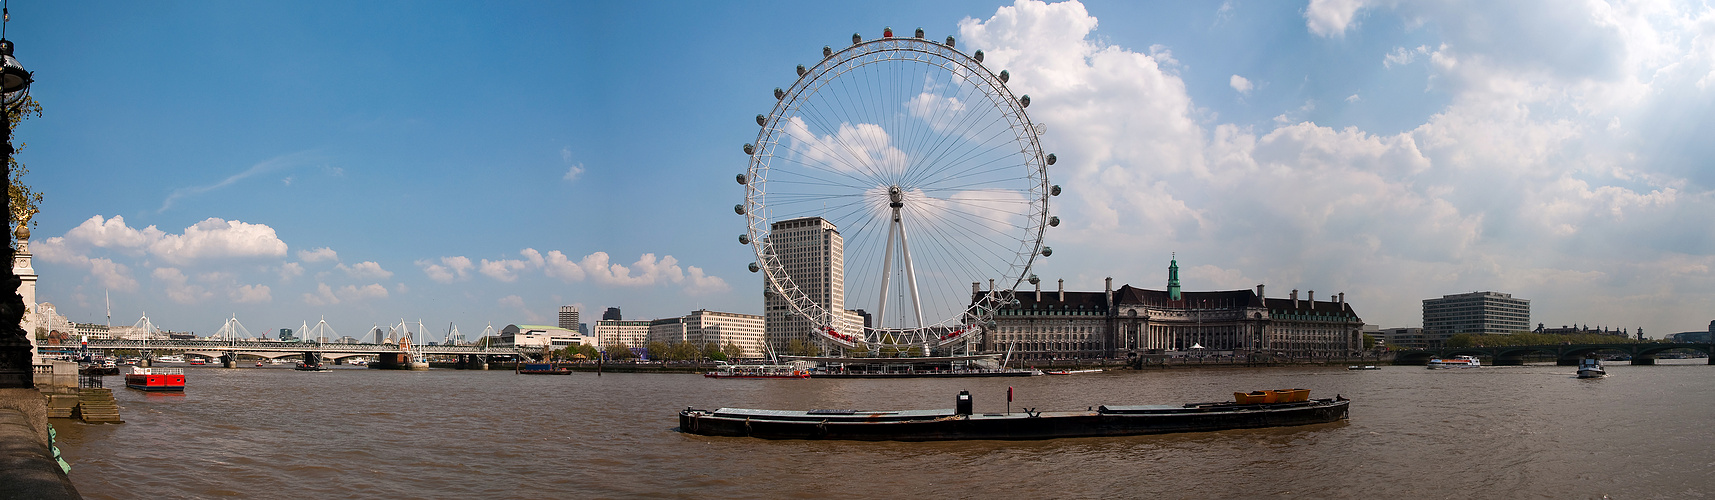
x=1493 y=432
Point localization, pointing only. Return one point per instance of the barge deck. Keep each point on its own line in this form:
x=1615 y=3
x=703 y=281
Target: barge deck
x=961 y=423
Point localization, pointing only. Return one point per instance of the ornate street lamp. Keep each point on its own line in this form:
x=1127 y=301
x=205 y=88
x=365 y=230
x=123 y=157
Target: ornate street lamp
x=16 y=365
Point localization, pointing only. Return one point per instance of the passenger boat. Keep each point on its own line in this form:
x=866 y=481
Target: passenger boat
x=1455 y=362
x=156 y=379
x=197 y=361
x=1069 y=372
x=962 y=423
x=757 y=371
x=170 y=359
x=1591 y=368
x=1364 y=367
x=542 y=369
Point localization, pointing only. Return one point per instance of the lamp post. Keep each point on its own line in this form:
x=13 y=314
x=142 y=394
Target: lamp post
x=16 y=365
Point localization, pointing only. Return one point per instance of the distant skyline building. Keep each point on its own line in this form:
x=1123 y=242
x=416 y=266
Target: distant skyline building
x=569 y=317
x=1411 y=337
x=1489 y=313
x=540 y=336
x=813 y=253
x=612 y=313
x=634 y=334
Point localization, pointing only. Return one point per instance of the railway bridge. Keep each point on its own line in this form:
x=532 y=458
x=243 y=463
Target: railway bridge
x=227 y=350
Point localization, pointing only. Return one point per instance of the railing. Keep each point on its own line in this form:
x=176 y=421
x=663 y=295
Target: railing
x=43 y=370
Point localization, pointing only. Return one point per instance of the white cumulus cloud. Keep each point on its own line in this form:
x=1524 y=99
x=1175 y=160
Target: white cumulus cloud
x=1239 y=83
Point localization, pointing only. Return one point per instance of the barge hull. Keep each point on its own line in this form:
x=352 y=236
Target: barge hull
x=946 y=425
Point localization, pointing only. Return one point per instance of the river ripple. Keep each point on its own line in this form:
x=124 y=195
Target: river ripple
x=1512 y=432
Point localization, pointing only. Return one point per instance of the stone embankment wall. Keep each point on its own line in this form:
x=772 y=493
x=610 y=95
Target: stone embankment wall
x=27 y=465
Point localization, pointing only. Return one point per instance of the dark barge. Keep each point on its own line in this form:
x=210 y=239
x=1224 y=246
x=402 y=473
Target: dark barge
x=961 y=423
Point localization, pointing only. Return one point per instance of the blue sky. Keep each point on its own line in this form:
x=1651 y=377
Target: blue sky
x=489 y=162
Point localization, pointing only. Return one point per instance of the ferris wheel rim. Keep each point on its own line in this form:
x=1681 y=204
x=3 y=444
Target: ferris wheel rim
x=835 y=64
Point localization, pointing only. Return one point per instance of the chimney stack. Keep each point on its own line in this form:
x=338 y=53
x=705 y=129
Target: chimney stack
x=1312 y=299
x=1259 y=294
x=1038 y=291
x=1062 y=289
x=1342 y=301
x=976 y=287
x=1110 y=291
x=1295 y=298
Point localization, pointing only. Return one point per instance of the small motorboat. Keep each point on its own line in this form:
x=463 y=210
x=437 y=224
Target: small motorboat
x=1591 y=368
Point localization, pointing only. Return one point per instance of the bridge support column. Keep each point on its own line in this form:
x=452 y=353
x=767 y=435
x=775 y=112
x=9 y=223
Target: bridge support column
x=1648 y=359
x=1509 y=360
x=480 y=362
x=229 y=361
x=391 y=361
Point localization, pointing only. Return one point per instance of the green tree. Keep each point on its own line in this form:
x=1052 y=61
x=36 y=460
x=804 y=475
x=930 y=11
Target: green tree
x=684 y=351
x=1370 y=341
x=732 y=350
x=657 y=349
x=802 y=347
x=25 y=202
x=711 y=351
x=619 y=351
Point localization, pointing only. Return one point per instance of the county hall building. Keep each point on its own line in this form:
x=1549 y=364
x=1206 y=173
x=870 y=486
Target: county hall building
x=1130 y=322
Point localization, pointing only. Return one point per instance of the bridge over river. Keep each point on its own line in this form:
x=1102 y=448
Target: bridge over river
x=1642 y=353
x=227 y=350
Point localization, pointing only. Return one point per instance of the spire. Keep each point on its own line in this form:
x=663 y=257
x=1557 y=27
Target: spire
x=1173 y=278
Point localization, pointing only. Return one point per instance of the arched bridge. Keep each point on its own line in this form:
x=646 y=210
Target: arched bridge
x=1642 y=353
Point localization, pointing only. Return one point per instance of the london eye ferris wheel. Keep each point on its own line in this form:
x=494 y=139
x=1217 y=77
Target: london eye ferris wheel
x=929 y=172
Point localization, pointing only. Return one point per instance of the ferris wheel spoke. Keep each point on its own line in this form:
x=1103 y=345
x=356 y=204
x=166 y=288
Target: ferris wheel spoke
x=810 y=168
x=964 y=234
x=961 y=124
x=835 y=133
x=840 y=153
x=952 y=230
x=981 y=150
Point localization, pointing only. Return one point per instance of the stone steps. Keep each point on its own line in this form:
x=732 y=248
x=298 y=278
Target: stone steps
x=98 y=406
x=61 y=405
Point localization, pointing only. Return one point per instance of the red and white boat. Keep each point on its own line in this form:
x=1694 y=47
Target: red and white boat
x=757 y=371
x=156 y=379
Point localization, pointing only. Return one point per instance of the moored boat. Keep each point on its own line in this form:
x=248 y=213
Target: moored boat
x=156 y=379
x=1591 y=368
x=1070 y=372
x=1454 y=362
x=311 y=367
x=962 y=423
x=542 y=369
x=757 y=371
